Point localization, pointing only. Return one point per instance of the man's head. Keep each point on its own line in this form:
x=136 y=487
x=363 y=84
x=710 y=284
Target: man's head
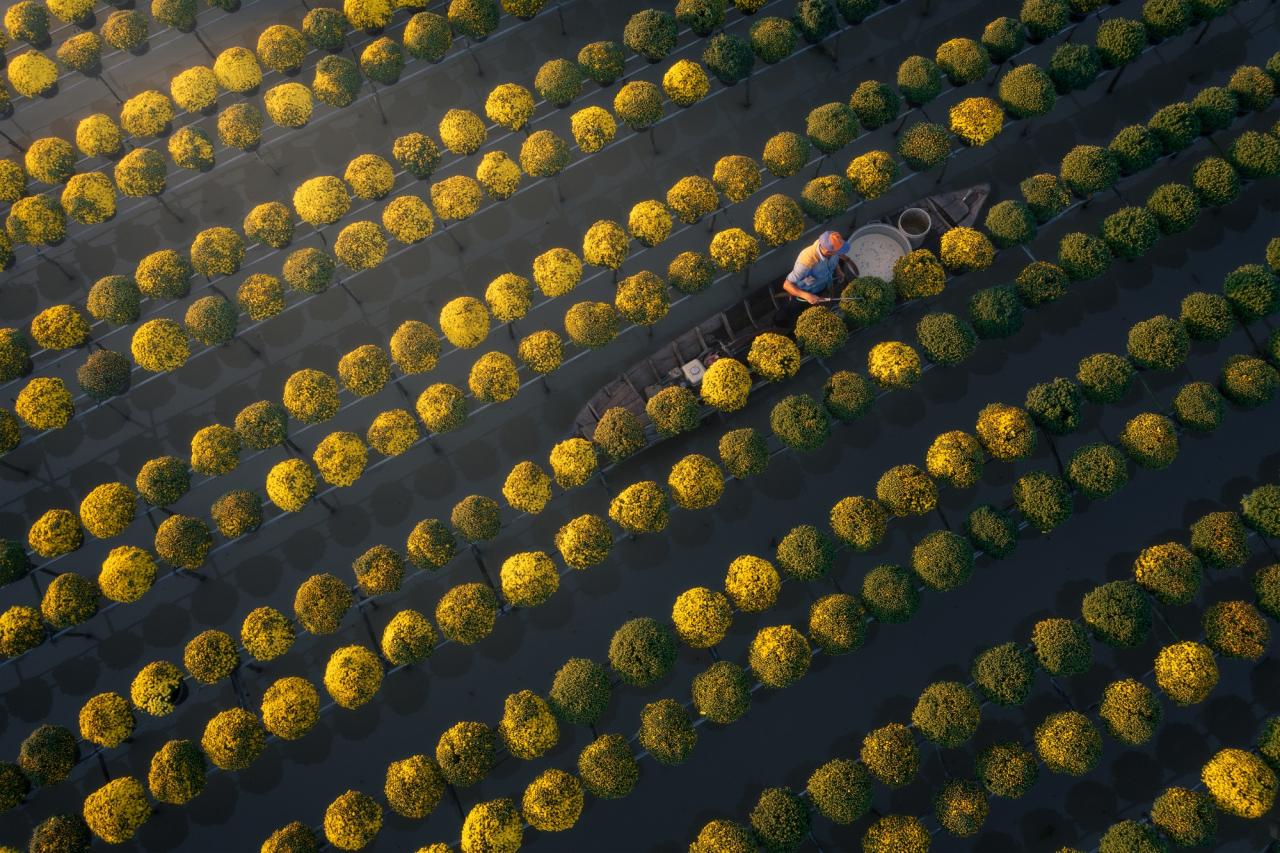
x=829 y=243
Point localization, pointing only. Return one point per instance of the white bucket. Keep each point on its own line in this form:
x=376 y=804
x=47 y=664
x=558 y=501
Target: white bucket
x=914 y=223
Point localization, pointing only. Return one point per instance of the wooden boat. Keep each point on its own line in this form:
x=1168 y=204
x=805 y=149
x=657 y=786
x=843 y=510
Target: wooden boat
x=729 y=333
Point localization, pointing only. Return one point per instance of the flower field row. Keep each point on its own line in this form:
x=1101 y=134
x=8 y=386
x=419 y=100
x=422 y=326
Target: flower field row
x=322 y=600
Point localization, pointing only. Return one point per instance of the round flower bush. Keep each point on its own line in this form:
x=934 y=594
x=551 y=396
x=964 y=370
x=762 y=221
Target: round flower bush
x=352 y=676
x=722 y=692
x=584 y=542
x=155 y=688
x=1240 y=783
x=467 y=613
x=916 y=275
x=649 y=222
x=924 y=145
x=177 y=772
x=127 y=573
x=528 y=579
x=786 y=153
x=638 y=104
x=640 y=508
x=1215 y=181
x=465 y=753
x=800 y=422
x=69 y=600
x=1135 y=148
x=528 y=728
x=976 y=121
x=891 y=755
x=919 y=79
x=593 y=128
x=580 y=692
x=352 y=821
x=893 y=365
x=1186 y=672
x=116 y=811
x=806 y=553
x=1068 y=743
x=752 y=584
x=642 y=651
x=1098 y=470
x=591 y=325
x=414 y=786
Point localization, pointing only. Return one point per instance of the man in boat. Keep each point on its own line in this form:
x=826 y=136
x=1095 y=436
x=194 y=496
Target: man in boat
x=821 y=269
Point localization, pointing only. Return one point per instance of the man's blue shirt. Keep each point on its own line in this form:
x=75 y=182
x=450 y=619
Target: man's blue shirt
x=812 y=272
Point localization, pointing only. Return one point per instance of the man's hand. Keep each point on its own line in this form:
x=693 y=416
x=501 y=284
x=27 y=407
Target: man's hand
x=811 y=298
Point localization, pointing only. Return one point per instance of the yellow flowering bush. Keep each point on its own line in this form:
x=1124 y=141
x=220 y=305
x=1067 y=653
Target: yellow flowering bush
x=556 y=272
x=60 y=327
x=45 y=403
x=106 y=720
x=456 y=198
x=593 y=128
x=116 y=811
x=527 y=488
x=494 y=826
x=125 y=29
x=528 y=728
x=966 y=250
x=509 y=297
x=36 y=220
x=352 y=676
x=240 y=126
x=638 y=104
x=591 y=324
x=354 y=819
x=649 y=222
x=32 y=74
x=147 y=113
x=1240 y=783
x=360 y=245
x=509 y=105
x=369 y=176
x=573 y=462
x=237 y=70
x=194 y=89
x=1186 y=672
x=584 y=541
x=692 y=198
x=50 y=160
x=553 y=801
x=544 y=154
x=408 y=219
x=734 y=249
x=442 y=407
x=409 y=638
x=642 y=298
x=340 y=458
x=55 y=533
x=266 y=633
x=127 y=574
x=191 y=148
x=464 y=322
x=282 y=48
x=702 y=617
x=108 y=509
x=872 y=173
x=413 y=787
x=494 y=378
x=893 y=364
x=976 y=121
x=160 y=345
x=778 y=220
x=392 y=432
x=291 y=484
x=260 y=296
x=289 y=104
x=98 y=136
x=466 y=613
x=726 y=384
x=290 y=707
x=752 y=583
x=311 y=396
x=775 y=357
x=415 y=348
x=321 y=200
x=605 y=244
x=695 y=482
x=542 y=351
x=462 y=131
x=685 y=83
x=499 y=174
x=364 y=370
